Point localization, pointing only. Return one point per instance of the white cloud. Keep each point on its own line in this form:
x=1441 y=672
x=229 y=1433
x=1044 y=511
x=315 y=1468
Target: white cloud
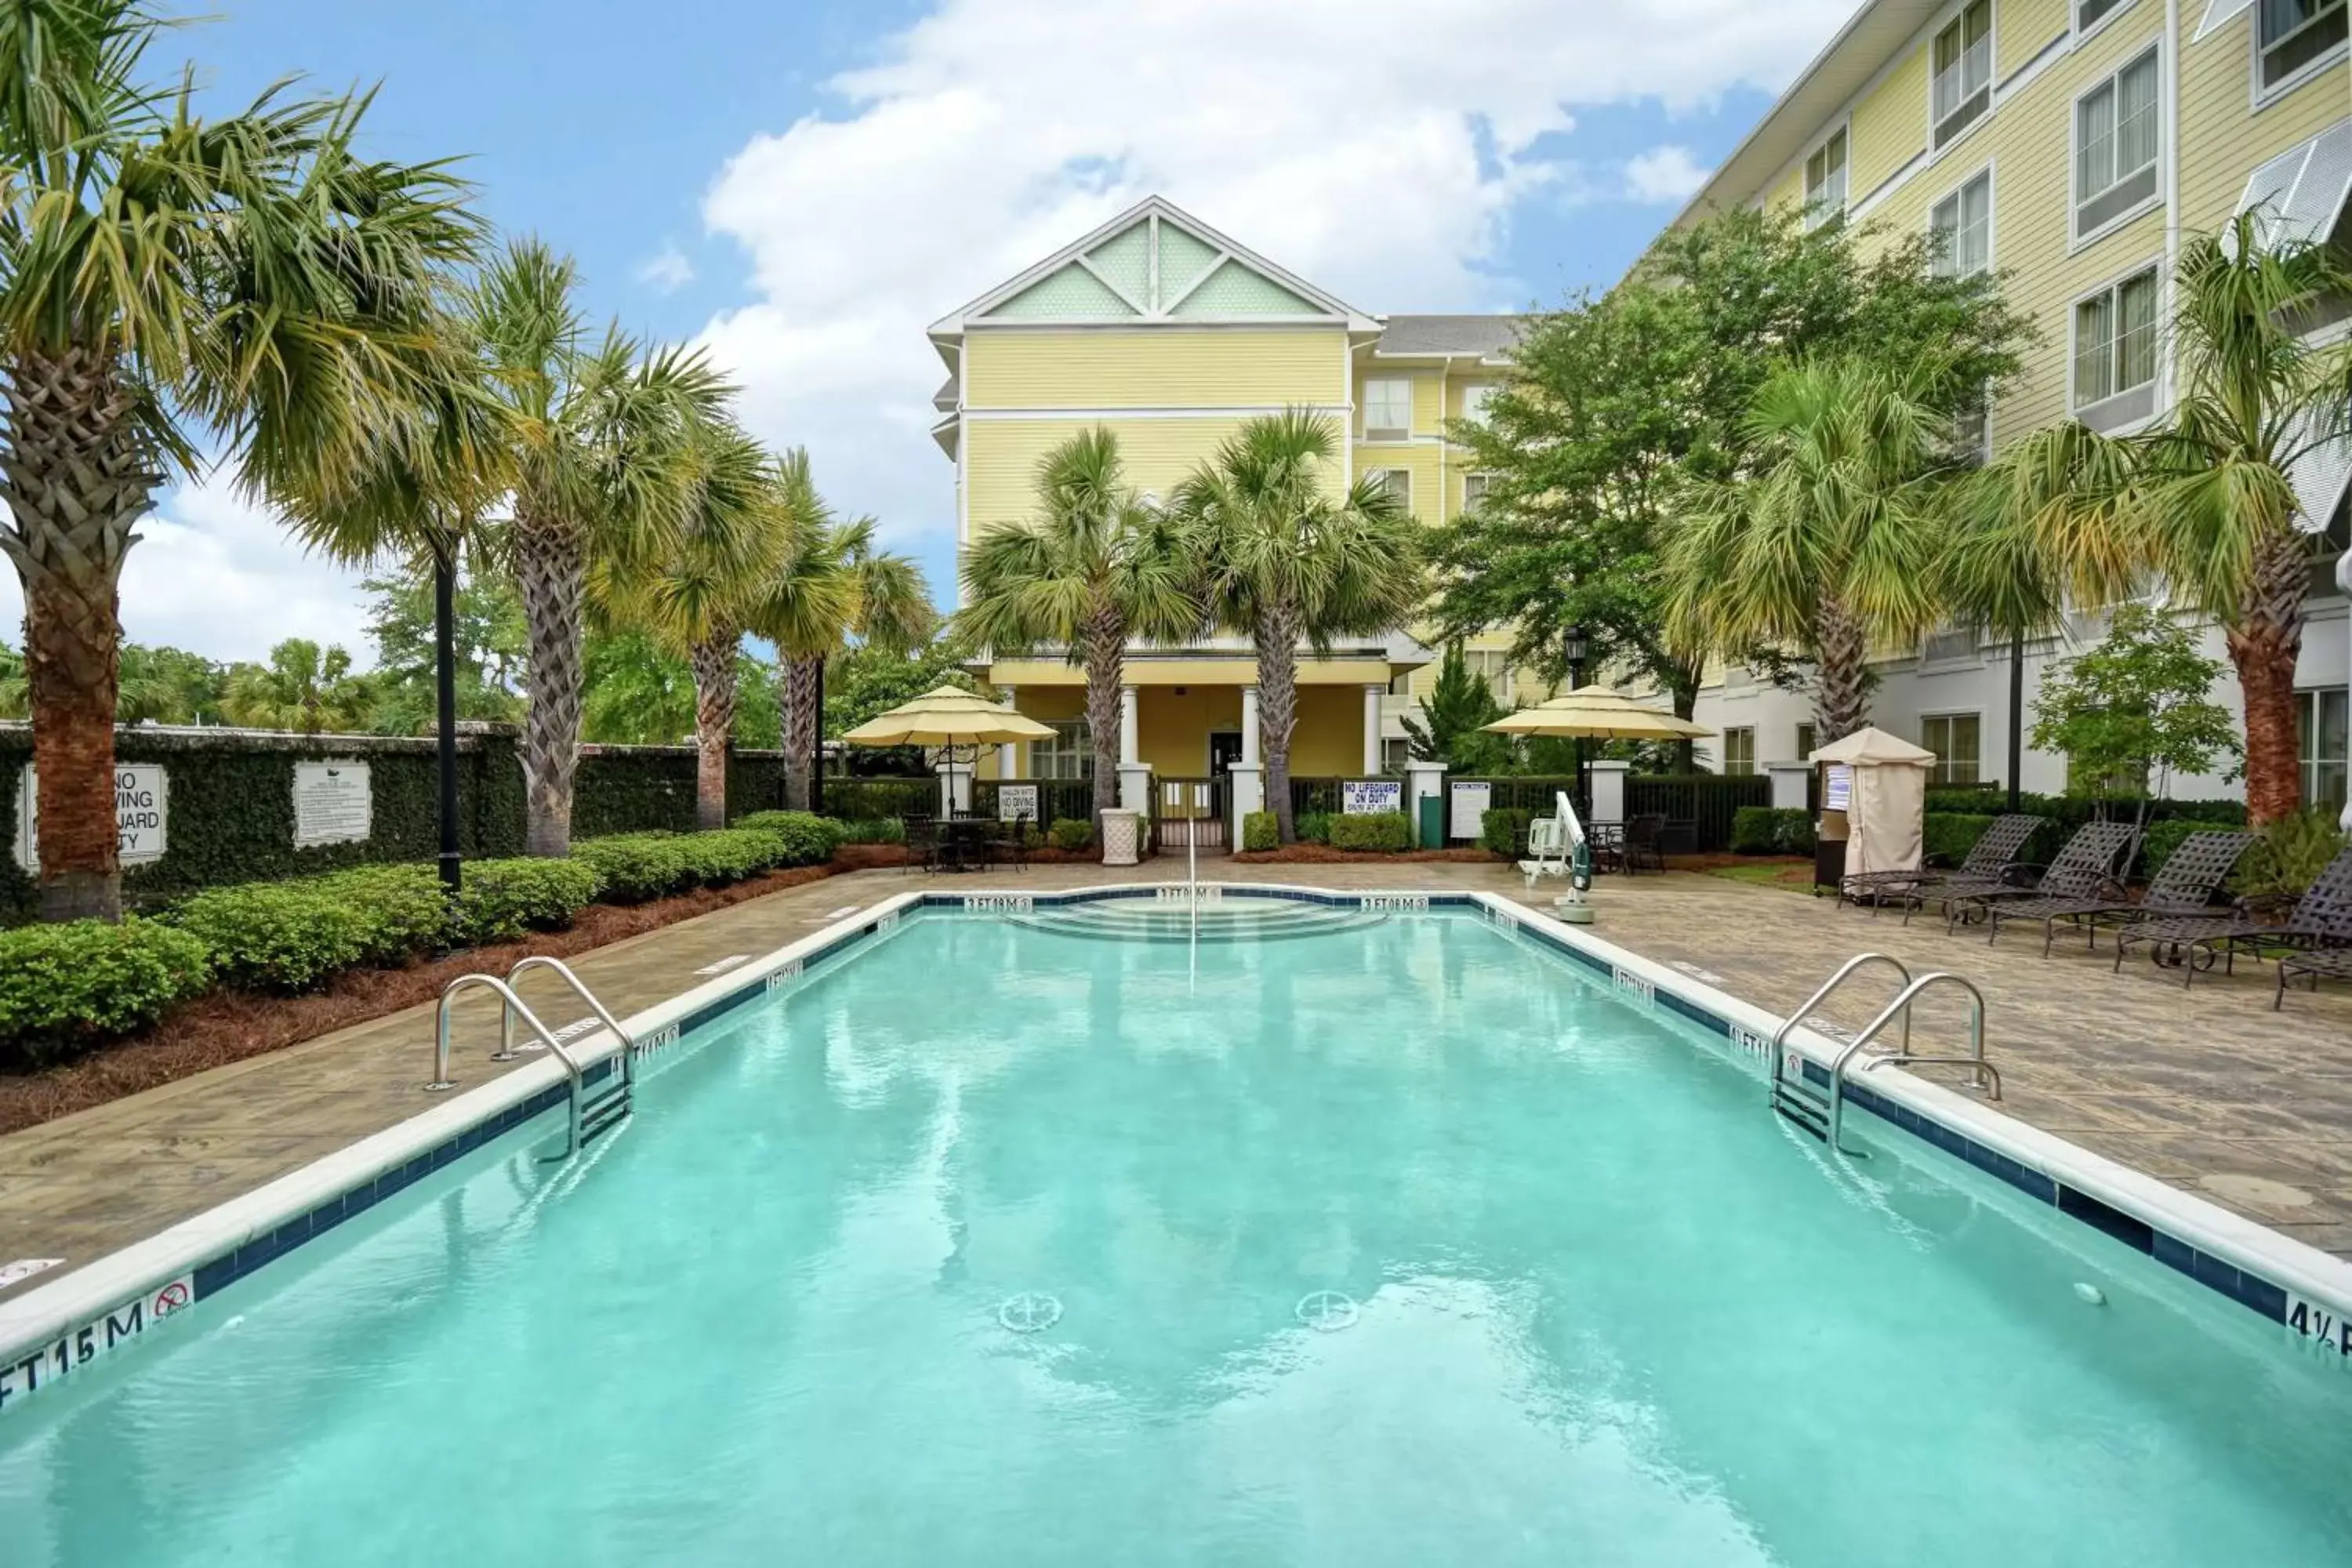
x=1664 y=174
x=214 y=573
x=668 y=270
x=1369 y=154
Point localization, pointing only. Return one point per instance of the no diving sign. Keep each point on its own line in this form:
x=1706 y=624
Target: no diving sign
x=140 y=807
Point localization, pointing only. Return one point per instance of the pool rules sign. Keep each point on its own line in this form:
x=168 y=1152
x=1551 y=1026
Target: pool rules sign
x=141 y=808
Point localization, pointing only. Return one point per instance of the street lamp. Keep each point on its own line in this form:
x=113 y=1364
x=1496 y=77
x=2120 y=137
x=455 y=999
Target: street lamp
x=1572 y=643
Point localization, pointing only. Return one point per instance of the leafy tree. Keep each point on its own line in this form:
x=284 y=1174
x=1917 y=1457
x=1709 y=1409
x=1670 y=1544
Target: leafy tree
x=1092 y=568
x=1453 y=716
x=639 y=693
x=163 y=275
x=1619 y=403
x=168 y=685
x=2133 y=707
x=868 y=681
x=488 y=639
x=12 y=694
x=302 y=688
x=2204 y=500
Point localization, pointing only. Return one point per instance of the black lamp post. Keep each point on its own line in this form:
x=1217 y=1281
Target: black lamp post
x=1572 y=644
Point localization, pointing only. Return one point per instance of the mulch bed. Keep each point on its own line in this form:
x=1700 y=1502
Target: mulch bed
x=230 y=1025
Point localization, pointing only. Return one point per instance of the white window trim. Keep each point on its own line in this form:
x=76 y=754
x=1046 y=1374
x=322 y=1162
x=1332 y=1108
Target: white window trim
x=1395 y=478
x=2074 y=150
x=1948 y=714
x=2085 y=35
x=1369 y=383
x=1992 y=76
x=1486 y=390
x=2163 y=315
x=1474 y=474
x=1992 y=211
x=2258 y=97
x=1972 y=659
x=1754 y=761
x=1804 y=197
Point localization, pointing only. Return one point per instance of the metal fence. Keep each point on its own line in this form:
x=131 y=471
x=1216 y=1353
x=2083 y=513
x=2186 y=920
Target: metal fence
x=1056 y=798
x=867 y=800
x=1705 y=801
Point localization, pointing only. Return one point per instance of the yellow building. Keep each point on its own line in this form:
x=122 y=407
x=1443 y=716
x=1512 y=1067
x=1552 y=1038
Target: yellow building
x=2070 y=144
x=1171 y=335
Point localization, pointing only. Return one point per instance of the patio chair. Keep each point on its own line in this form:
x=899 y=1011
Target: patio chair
x=1992 y=856
x=2320 y=920
x=1012 y=844
x=2089 y=866
x=1645 y=838
x=2183 y=886
x=923 y=842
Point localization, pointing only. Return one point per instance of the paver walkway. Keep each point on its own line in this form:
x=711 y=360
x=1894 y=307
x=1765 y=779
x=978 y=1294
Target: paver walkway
x=2207 y=1089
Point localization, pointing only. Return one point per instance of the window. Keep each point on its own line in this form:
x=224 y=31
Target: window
x=1070 y=754
x=1738 y=676
x=1388 y=410
x=1739 y=750
x=1825 y=181
x=1972 y=434
x=2291 y=33
x=2089 y=14
x=1492 y=665
x=1395 y=751
x=1804 y=741
x=2114 y=147
x=1474 y=403
x=1401 y=683
x=2114 y=353
x=1963 y=86
x=1398 y=482
x=1953 y=736
x=1961 y=227
x=1474 y=491
x=2321 y=718
x=1947 y=642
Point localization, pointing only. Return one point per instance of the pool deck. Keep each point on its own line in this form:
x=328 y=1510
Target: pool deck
x=2206 y=1089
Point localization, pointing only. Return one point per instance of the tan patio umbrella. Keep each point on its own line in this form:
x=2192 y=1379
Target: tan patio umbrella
x=949 y=716
x=1595 y=712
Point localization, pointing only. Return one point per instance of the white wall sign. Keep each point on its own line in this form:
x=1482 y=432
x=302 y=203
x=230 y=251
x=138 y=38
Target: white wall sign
x=1467 y=801
x=1016 y=800
x=140 y=807
x=333 y=803
x=1360 y=796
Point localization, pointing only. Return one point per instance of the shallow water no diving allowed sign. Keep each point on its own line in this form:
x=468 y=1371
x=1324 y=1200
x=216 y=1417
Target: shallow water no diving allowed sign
x=140 y=807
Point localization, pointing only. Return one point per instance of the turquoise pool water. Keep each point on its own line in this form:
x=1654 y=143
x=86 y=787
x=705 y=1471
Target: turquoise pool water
x=1607 y=1309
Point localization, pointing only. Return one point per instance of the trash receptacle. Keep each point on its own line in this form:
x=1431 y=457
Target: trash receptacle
x=1432 y=822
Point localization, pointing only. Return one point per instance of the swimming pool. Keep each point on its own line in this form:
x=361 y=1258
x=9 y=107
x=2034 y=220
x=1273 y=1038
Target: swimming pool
x=1405 y=1242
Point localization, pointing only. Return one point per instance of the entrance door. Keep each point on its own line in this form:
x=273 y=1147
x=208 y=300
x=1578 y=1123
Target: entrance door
x=1224 y=750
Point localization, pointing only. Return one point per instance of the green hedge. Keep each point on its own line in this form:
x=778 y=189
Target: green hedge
x=1947 y=836
x=633 y=868
x=1074 y=834
x=1771 y=830
x=1261 y=831
x=501 y=899
x=1499 y=827
x=1314 y=826
x=2165 y=837
x=65 y=988
x=1386 y=832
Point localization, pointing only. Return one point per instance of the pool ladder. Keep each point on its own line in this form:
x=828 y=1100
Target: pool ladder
x=587 y=1115
x=1821 y=1112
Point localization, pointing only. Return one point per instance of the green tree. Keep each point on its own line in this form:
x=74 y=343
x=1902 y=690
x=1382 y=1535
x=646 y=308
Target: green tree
x=2204 y=500
x=639 y=693
x=868 y=681
x=163 y=274
x=1619 y=403
x=1092 y=568
x=596 y=438
x=1454 y=720
x=303 y=687
x=1824 y=544
x=2133 y=711
x=13 y=695
x=1286 y=562
x=168 y=685
x=487 y=643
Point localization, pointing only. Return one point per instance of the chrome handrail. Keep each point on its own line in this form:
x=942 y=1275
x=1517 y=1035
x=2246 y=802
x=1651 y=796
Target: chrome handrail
x=628 y=1053
x=441 y=1078
x=1789 y=1024
x=1900 y=1006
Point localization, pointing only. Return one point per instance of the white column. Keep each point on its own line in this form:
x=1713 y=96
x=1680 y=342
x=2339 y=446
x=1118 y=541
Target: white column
x=1249 y=725
x=1372 y=729
x=1608 y=790
x=1008 y=756
x=1131 y=751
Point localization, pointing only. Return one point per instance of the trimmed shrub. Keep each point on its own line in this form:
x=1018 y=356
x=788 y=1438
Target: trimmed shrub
x=407 y=912
x=1074 y=834
x=802 y=837
x=1499 y=827
x=878 y=830
x=1384 y=832
x=1261 y=831
x=503 y=899
x=65 y=988
x=2165 y=837
x=1770 y=830
x=2289 y=855
x=1947 y=836
x=633 y=868
x=284 y=937
x=1314 y=826
x=726 y=855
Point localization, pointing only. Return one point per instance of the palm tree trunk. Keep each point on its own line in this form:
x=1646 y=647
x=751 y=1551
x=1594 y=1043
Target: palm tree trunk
x=1103 y=644
x=550 y=565
x=1841 y=674
x=1277 y=637
x=797 y=696
x=2264 y=646
x=713 y=660
x=75 y=480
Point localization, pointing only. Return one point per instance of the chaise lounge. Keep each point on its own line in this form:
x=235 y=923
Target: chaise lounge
x=2321 y=922
x=2183 y=886
x=1994 y=853
x=2089 y=866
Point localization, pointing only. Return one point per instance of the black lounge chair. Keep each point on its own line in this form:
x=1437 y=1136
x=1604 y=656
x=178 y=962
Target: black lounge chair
x=1011 y=846
x=1994 y=851
x=2089 y=866
x=2183 y=886
x=2321 y=920
x=1644 y=843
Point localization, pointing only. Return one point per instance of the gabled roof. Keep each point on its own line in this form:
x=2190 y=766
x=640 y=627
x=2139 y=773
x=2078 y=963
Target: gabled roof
x=1153 y=264
x=1488 y=337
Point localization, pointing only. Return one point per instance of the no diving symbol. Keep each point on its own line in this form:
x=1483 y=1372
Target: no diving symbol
x=1327 y=1312
x=171 y=1297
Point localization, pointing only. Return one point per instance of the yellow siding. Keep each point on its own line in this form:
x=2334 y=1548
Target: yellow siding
x=1001 y=458
x=1329 y=738
x=2021 y=28
x=1161 y=367
x=1422 y=459
x=2225 y=142
x=1890 y=127
x=1789 y=192
x=1428 y=414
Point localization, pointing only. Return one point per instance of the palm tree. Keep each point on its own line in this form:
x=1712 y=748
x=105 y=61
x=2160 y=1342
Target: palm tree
x=1094 y=567
x=1825 y=544
x=302 y=688
x=161 y=274
x=2204 y=501
x=1288 y=562
x=596 y=436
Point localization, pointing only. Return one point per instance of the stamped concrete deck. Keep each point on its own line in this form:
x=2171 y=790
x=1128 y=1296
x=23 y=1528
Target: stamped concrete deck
x=2208 y=1089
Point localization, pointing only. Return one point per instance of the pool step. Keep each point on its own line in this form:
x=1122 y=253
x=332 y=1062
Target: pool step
x=605 y=1113
x=1803 y=1104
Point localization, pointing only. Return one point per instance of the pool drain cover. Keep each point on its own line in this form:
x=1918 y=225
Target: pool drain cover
x=1029 y=1311
x=1327 y=1312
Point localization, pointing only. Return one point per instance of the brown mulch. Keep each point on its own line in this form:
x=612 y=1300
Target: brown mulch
x=1324 y=855
x=230 y=1025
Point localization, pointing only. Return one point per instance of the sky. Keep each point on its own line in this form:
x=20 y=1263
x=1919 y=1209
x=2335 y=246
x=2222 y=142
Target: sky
x=799 y=188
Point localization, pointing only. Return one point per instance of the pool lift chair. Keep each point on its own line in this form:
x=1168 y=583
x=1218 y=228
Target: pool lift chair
x=1557 y=847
